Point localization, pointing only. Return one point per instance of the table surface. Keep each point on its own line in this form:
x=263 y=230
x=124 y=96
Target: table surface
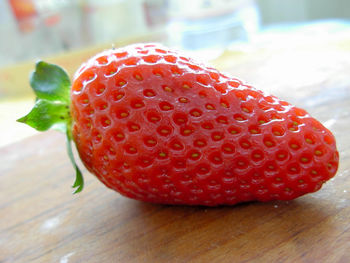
x=41 y=221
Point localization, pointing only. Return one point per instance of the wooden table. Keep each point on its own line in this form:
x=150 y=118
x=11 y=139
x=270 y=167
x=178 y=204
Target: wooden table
x=41 y=221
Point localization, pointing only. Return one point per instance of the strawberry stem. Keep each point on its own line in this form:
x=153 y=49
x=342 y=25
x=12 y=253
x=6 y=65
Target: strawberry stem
x=51 y=85
x=79 y=179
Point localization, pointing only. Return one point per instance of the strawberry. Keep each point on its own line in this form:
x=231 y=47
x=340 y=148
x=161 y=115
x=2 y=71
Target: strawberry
x=159 y=127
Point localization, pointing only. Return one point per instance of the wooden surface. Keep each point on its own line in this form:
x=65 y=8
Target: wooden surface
x=41 y=221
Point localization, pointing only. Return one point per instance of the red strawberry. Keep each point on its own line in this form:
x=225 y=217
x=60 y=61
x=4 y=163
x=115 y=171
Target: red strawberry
x=159 y=127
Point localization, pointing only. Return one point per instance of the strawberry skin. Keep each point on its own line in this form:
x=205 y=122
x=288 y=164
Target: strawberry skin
x=159 y=127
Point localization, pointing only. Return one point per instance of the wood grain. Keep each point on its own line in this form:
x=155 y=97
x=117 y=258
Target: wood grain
x=41 y=221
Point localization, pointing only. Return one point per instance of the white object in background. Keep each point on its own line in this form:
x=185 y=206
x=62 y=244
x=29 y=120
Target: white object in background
x=108 y=20
x=207 y=27
x=202 y=24
x=9 y=33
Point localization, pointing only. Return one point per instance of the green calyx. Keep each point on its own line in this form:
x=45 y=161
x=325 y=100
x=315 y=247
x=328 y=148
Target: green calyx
x=51 y=85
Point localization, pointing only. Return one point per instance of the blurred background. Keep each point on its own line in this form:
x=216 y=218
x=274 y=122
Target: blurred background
x=253 y=39
x=31 y=29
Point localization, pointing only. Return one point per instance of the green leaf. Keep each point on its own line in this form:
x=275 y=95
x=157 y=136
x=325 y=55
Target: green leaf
x=47 y=114
x=51 y=85
x=79 y=179
x=50 y=82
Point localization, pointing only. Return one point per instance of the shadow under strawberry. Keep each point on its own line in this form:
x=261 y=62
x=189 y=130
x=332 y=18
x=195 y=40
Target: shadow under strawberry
x=164 y=233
